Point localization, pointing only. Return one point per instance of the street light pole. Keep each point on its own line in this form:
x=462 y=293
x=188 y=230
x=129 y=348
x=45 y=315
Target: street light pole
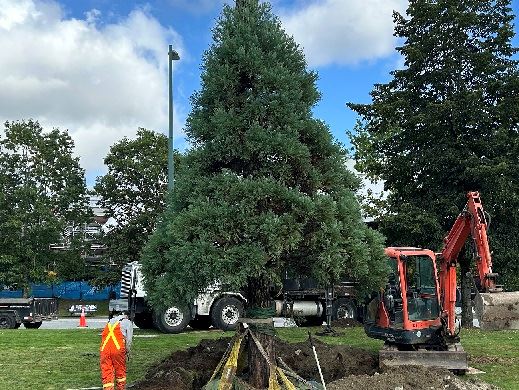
x=172 y=56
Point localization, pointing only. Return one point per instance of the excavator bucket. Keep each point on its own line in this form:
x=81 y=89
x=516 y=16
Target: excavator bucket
x=497 y=311
x=454 y=359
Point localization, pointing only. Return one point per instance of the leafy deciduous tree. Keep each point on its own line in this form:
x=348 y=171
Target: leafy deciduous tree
x=42 y=190
x=133 y=192
x=448 y=123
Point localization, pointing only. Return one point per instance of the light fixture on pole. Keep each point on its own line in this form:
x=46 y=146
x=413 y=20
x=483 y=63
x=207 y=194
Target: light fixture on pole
x=172 y=56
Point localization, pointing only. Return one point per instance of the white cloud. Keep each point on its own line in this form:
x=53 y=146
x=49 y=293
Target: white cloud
x=343 y=31
x=99 y=81
x=369 y=190
x=375 y=187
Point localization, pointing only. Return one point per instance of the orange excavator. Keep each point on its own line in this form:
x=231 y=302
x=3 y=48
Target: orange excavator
x=416 y=313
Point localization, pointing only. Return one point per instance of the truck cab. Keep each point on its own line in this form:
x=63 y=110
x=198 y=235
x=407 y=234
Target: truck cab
x=213 y=307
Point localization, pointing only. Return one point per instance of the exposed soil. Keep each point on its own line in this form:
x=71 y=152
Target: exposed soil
x=192 y=369
x=343 y=367
x=403 y=378
x=345 y=323
x=186 y=370
x=337 y=361
x=493 y=360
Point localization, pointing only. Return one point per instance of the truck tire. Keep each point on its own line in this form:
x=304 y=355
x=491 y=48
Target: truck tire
x=174 y=319
x=226 y=312
x=32 y=325
x=344 y=308
x=7 y=321
x=144 y=320
x=200 y=323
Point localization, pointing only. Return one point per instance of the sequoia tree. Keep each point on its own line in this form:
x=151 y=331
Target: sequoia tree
x=264 y=189
x=448 y=123
x=42 y=192
x=133 y=192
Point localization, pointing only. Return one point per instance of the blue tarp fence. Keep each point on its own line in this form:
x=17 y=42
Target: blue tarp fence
x=66 y=290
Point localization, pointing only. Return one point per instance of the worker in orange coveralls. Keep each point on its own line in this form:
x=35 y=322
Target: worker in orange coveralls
x=116 y=342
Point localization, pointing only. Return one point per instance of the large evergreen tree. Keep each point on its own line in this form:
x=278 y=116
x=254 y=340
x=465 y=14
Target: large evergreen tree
x=42 y=191
x=448 y=123
x=264 y=189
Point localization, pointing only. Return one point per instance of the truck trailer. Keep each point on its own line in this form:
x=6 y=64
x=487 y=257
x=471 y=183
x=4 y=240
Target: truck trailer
x=31 y=312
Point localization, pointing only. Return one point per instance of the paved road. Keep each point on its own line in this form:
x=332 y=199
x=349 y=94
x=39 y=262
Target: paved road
x=73 y=322
x=100 y=322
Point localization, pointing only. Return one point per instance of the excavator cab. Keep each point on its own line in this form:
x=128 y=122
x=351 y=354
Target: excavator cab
x=407 y=314
x=407 y=311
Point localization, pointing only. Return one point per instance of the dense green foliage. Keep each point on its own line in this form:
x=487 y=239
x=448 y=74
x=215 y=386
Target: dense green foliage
x=448 y=123
x=42 y=191
x=133 y=193
x=264 y=188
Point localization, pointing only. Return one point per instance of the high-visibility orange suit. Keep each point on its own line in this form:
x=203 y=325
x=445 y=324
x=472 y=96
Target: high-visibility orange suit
x=115 y=345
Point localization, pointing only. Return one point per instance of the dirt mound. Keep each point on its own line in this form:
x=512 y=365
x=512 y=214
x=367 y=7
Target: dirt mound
x=343 y=367
x=186 y=370
x=337 y=361
x=345 y=323
x=403 y=378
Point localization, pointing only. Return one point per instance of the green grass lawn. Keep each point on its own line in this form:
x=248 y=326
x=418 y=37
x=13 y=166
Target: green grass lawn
x=496 y=353
x=63 y=359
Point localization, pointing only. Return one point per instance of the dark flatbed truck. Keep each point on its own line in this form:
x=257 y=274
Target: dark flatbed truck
x=30 y=312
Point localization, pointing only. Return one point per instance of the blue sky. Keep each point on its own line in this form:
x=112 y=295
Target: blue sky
x=99 y=67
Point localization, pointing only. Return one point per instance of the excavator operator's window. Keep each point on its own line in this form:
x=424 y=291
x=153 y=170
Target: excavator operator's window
x=422 y=300
x=393 y=295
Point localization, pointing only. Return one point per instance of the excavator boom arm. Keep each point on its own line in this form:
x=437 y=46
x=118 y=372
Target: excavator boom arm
x=472 y=222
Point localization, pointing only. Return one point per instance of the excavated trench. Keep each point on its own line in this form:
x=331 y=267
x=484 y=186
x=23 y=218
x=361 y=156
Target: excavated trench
x=343 y=367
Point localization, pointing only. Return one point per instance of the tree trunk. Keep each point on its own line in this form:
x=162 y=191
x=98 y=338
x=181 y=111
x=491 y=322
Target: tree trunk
x=466 y=301
x=260 y=308
x=258 y=366
x=26 y=287
x=466 y=285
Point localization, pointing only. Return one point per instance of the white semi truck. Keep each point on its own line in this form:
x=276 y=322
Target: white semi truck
x=301 y=299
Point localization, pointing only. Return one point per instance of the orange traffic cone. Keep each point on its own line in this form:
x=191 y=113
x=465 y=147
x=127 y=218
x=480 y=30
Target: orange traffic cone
x=82 y=319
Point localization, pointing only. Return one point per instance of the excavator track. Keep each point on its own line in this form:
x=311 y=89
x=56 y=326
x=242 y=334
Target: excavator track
x=455 y=358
